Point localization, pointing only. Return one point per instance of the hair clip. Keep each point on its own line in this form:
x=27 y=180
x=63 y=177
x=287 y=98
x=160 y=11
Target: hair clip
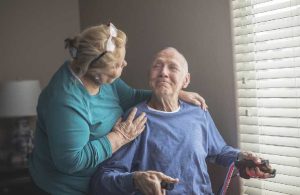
x=110 y=46
x=73 y=52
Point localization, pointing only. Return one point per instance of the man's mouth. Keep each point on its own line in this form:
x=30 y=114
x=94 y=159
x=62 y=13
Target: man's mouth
x=163 y=81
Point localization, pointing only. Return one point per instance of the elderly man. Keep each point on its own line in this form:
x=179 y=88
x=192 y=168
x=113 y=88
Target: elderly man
x=178 y=139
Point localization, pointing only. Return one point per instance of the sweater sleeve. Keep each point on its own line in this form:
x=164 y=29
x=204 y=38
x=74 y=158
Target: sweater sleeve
x=114 y=176
x=68 y=137
x=129 y=96
x=218 y=151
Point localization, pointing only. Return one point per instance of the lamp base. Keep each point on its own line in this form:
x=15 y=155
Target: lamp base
x=22 y=141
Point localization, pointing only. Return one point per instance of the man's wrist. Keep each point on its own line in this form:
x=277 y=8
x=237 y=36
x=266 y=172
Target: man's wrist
x=126 y=182
x=134 y=179
x=240 y=156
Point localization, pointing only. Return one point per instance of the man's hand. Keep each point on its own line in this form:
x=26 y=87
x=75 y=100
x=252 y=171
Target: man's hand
x=253 y=172
x=148 y=182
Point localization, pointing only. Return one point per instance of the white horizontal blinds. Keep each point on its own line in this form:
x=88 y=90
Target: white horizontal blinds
x=267 y=59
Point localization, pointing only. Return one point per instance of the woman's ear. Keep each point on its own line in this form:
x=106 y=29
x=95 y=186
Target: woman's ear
x=186 y=81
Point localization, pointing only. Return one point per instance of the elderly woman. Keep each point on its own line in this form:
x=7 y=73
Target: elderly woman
x=78 y=122
x=178 y=140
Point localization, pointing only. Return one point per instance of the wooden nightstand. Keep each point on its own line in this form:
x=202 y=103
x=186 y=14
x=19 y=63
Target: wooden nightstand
x=15 y=180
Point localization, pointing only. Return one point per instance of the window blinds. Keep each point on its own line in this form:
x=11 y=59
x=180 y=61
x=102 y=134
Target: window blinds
x=267 y=60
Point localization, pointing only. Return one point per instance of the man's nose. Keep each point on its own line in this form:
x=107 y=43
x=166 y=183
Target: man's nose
x=164 y=71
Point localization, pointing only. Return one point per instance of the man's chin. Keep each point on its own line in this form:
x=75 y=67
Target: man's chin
x=163 y=92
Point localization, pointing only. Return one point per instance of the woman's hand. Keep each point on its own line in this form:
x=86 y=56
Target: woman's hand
x=126 y=131
x=148 y=182
x=193 y=98
x=131 y=128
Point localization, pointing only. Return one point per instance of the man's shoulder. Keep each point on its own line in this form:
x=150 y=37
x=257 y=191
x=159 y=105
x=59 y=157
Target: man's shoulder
x=142 y=107
x=191 y=108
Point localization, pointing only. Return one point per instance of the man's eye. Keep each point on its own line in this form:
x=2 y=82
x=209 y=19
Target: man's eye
x=174 y=68
x=157 y=65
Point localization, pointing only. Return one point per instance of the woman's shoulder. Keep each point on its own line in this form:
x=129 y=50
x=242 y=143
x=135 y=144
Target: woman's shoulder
x=62 y=87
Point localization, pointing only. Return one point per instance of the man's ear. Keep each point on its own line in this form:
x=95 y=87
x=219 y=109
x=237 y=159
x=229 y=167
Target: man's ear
x=149 y=79
x=186 y=81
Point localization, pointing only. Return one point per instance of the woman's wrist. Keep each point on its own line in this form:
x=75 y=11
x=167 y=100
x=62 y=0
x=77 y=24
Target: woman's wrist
x=116 y=139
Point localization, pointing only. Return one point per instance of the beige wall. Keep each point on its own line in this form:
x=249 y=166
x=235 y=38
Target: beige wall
x=32 y=37
x=32 y=42
x=198 y=28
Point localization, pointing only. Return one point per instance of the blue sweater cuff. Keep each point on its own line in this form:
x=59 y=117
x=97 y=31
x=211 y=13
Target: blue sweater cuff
x=126 y=181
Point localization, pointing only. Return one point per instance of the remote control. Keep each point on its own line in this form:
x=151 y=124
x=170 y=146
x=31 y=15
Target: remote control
x=167 y=185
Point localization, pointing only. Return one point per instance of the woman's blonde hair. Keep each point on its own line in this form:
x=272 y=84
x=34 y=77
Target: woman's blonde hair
x=87 y=46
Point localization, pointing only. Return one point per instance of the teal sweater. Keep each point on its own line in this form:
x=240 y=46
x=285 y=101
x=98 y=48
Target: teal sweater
x=70 y=138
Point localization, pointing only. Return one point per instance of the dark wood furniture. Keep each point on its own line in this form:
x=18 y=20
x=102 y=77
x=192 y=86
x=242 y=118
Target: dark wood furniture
x=15 y=180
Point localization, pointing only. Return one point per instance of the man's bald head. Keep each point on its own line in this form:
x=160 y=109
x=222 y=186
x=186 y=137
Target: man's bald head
x=171 y=51
x=169 y=73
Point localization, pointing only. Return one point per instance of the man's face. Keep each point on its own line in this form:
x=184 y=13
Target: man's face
x=168 y=74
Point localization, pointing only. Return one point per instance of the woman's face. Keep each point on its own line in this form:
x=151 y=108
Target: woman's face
x=114 y=71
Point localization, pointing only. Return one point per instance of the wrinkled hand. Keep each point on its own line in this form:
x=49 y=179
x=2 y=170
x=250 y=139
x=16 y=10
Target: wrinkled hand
x=253 y=172
x=130 y=128
x=148 y=182
x=193 y=98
